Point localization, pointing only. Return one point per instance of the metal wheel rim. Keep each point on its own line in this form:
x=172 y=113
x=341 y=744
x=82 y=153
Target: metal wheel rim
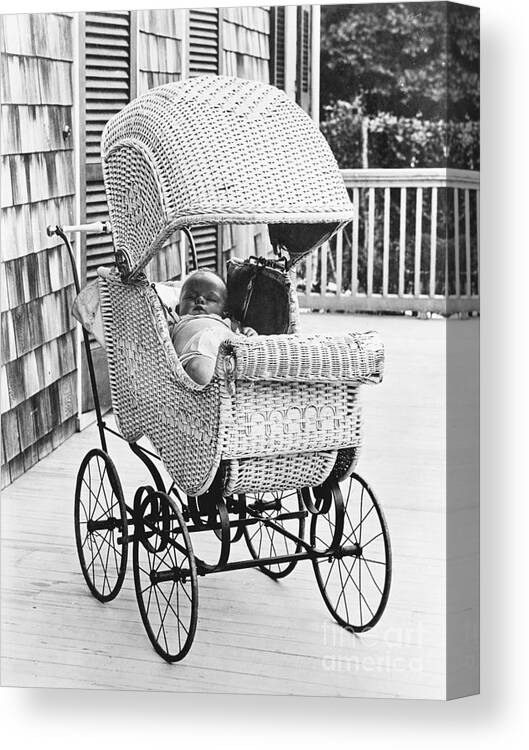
x=366 y=573
x=102 y=545
x=152 y=597
x=266 y=536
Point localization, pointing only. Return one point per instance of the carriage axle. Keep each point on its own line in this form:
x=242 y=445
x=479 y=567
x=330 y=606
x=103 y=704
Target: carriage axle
x=108 y=524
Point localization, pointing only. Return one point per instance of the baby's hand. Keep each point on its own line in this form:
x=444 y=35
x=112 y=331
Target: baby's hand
x=247 y=331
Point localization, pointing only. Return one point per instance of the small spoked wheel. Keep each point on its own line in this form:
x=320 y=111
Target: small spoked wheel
x=165 y=576
x=285 y=508
x=101 y=527
x=355 y=577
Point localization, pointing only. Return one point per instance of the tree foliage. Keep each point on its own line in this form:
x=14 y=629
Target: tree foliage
x=398 y=142
x=406 y=59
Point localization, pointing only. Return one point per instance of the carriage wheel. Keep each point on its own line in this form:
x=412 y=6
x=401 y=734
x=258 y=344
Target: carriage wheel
x=263 y=541
x=356 y=576
x=165 y=576
x=100 y=518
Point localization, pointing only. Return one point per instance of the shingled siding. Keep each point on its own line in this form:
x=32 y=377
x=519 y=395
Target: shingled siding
x=38 y=375
x=160 y=61
x=246 y=44
x=245 y=54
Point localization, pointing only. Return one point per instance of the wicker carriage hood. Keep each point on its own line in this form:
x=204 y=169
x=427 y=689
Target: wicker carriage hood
x=216 y=149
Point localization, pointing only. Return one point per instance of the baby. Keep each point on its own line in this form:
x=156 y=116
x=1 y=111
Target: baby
x=201 y=327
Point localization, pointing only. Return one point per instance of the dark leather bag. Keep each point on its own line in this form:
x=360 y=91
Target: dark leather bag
x=259 y=294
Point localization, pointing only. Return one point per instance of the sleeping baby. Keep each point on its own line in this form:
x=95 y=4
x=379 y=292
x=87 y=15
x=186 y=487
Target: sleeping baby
x=201 y=326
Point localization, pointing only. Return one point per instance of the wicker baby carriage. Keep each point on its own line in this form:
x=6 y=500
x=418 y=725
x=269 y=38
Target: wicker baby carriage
x=269 y=442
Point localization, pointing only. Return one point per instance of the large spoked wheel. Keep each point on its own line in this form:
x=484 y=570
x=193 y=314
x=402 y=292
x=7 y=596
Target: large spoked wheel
x=165 y=576
x=284 y=508
x=355 y=577
x=100 y=518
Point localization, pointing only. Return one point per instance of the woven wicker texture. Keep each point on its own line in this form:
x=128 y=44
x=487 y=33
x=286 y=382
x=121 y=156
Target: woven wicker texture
x=355 y=357
x=277 y=472
x=279 y=418
x=214 y=150
x=151 y=393
x=271 y=429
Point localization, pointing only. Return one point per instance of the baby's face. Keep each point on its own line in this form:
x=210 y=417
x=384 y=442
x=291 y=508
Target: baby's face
x=203 y=294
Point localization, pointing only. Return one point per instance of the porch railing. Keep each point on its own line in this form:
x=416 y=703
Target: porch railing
x=413 y=245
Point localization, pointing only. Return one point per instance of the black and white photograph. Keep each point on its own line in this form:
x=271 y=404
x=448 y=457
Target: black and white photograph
x=240 y=309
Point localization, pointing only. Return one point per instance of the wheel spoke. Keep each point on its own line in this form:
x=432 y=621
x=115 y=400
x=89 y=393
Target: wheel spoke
x=359 y=589
x=116 y=552
x=372 y=576
x=161 y=628
x=98 y=550
x=255 y=532
x=102 y=556
x=167 y=604
x=342 y=593
x=264 y=541
x=92 y=564
x=361 y=504
x=380 y=533
x=329 y=573
x=172 y=608
x=107 y=512
x=108 y=554
x=150 y=597
x=186 y=593
x=362 y=520
x=177 y=628
x=363 y=597
x=96 y=497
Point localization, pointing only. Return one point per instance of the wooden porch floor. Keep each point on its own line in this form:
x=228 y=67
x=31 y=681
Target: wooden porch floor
x=254 y=635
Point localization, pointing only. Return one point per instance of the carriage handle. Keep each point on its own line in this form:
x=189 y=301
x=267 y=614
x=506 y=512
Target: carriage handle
x=62 y=232
x=102 y=227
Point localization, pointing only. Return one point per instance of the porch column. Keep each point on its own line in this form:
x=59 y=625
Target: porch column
x=291 y=21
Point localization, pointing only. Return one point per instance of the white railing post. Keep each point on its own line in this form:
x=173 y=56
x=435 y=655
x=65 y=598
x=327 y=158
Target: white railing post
x=339 y=261
x=418 y=242
x=323 y=268
x=385 y=250
x=467 y=243
x=456 y=242
x=370 y=240
x=433 y=242
x=436 y=294
x=354 y=242
x=402 y=240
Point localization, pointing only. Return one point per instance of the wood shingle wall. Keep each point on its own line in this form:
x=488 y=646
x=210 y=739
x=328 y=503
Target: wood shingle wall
x=38 y=368
x=245 y=41
x=118 y=55
x=160 y=61
x=245 y=54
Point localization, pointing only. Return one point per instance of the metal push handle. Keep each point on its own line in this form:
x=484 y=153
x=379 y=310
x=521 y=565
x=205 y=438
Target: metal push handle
x=101 y=227
x=61 y=231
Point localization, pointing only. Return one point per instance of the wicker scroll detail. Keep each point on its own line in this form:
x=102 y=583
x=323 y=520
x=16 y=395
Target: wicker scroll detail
x=271 y=418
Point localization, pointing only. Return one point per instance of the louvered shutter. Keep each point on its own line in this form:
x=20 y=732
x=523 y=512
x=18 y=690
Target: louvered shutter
x=107 y=90
x=277 y=47
x=203 y=41
x=108 y=86
x=303 y=57
x=204 y=55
